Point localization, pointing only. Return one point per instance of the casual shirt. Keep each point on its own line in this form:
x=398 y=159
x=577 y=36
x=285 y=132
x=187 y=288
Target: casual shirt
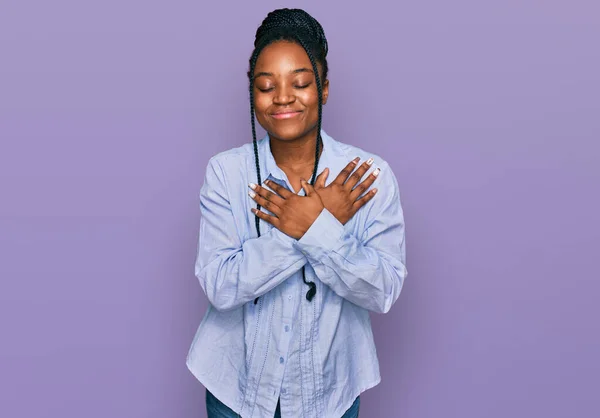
x=315 y=356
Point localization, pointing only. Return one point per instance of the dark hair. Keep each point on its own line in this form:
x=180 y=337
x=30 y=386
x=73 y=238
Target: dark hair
x=292 y=25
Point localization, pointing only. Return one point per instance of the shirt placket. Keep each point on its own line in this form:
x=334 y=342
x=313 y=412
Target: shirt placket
x=288 y=292
x=283 y=299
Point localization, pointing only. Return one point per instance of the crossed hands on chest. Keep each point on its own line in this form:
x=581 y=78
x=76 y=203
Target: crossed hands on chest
x=293 y=214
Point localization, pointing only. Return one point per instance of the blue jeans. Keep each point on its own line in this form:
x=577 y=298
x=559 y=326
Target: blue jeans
x=216 y=409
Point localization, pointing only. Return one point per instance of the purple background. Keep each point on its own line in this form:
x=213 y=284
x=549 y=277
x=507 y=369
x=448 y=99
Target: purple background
x=488 y=113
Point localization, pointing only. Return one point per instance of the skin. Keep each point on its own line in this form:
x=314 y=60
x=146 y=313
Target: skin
x=286 y=104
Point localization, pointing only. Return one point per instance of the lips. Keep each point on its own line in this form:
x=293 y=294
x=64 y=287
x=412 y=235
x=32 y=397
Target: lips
x=286 y=114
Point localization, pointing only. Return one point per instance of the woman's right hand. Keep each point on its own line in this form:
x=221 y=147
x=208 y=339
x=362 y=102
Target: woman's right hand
x=342 y=197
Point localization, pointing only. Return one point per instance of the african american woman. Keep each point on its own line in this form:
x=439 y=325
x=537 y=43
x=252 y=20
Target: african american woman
x=301 y=236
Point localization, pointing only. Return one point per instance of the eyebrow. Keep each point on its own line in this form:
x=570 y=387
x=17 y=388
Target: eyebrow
x=296 y=71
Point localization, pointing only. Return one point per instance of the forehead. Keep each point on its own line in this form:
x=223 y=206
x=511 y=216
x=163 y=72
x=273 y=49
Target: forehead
x=282 y=55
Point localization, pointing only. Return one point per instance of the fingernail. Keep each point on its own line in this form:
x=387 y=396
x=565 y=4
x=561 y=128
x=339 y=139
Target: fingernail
x=251 y=194
x=374 y=191
x=252 y=186
x=370 y=161
x=356 y=160
x=376 y=172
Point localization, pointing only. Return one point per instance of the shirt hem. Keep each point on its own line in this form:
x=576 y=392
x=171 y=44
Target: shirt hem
x=341 y=411
x=216 y=391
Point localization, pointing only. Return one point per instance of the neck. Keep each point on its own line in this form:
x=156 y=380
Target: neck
x=295 y=153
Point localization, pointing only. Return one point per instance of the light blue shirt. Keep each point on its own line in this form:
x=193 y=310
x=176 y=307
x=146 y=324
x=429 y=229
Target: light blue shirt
x=316 y=356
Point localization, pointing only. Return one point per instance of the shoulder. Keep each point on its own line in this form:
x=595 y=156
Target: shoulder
x=232 y=156
x=388 y=199
x=227 y=168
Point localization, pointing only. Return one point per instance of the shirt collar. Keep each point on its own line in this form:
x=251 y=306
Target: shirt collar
x=332 y=157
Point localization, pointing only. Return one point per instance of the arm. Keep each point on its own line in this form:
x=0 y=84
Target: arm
x=369 y=271
x=230 y=272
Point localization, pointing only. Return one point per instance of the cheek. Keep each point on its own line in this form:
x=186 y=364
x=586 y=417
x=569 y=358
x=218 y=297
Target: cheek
x=261 y=102
x=310 y=100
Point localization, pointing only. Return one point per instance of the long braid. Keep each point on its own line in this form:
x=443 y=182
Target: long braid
x=297 y=26
x=255 y=144
x=258 y=179
x=312 y=286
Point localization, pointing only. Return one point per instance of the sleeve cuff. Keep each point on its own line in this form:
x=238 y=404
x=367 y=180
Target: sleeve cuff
x=323 y=236
x=284 y=238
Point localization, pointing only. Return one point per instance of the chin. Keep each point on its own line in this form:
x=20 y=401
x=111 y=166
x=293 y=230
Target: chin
x=288 y=133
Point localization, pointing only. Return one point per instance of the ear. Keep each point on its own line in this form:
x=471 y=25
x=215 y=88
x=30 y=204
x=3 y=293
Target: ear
x=325 y=91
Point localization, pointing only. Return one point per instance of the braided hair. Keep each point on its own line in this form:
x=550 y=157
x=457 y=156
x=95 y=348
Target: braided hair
x=292 y=25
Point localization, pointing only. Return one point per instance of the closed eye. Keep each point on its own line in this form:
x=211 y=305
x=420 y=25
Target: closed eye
x=273 y=88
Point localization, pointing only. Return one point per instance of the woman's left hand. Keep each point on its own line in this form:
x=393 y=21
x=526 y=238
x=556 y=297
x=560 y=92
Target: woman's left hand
x=344 y=196
x=292 y=214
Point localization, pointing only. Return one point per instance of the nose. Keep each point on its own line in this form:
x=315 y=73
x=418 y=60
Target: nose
x=284 y=95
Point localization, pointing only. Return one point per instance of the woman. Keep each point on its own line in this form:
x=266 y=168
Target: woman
x=291 y=281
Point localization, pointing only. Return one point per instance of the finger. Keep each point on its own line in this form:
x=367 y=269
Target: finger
x=267 y=194
x=341 y=178
x=320 y=182
x=308 y=188
x=358 y=174
x=280 y=190
x=364 y=200
x=360 y=189
x=265 y=217
x=267 y=204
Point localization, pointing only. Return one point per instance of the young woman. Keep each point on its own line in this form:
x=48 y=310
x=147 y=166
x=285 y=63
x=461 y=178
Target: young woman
x=291 y=281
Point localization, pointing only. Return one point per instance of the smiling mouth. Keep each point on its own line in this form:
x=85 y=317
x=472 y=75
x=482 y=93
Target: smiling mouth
x=285 y=115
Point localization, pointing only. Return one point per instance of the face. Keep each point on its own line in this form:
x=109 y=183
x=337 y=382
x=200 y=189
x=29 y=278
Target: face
x=286 y=100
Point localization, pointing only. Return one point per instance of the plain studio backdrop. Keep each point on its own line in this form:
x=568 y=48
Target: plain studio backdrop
x=488 y=113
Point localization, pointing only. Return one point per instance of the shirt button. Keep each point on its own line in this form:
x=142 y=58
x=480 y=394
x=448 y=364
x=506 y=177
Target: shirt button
x=290 y=297
x=283 y=391
x=287 y=328
x=281 y=360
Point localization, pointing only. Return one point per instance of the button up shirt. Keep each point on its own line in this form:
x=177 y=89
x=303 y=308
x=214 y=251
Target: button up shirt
x=315 y=356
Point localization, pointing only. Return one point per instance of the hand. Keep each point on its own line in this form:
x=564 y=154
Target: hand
x=292 y=214
x=341 y=198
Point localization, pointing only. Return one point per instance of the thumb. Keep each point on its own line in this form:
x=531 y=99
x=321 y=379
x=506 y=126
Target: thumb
x=308 y=188
x=321 y=179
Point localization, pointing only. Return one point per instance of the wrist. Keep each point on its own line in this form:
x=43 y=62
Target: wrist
x=311 y=222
